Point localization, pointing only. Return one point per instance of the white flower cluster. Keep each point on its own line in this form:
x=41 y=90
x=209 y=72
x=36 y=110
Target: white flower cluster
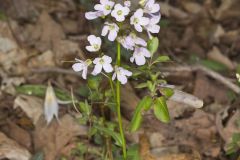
x=146 y=18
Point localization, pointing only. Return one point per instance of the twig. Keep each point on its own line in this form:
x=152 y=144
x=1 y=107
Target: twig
x=207 y=71
x=55 y=70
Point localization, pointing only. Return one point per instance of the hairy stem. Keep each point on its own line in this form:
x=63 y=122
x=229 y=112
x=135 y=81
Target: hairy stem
x=118 y=104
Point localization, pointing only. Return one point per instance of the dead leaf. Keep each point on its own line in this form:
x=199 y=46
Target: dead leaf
x=6 y=45
x=47 y=31
x=53 y=138
x=226 y=131
x=19 y=134
x=206 y=90
x=66 y=49
x=12 y=150
x=32 y=106
x=192 y=7
x=9 y=83
x=171 y=11
x=219 y=32
x=45 y=59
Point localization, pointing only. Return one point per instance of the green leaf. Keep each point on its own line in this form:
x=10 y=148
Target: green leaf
x=141 y=85
x=144 y=104
x=162 y=59
x=161 y=110
x=114 y=135
x=133 y=153
x=213 y=65
x=167 y=92
x=85 y=108
x=94 y=82
x=150 y=86
x=153 y=45
x=40 y=90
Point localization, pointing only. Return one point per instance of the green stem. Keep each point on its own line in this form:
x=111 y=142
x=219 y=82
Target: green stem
x=118 y=103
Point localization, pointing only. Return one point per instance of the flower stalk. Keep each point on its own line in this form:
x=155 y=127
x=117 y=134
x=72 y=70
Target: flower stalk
x=118 y=104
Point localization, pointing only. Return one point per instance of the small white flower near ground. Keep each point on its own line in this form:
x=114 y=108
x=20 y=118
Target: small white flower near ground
x=93 y=15
x=105 y=6
x=151 y=7
x=121 y=74
x=50 y=104
x=111 y=29
x=138 y=20
x=120 y=12
x=82 y=66
x=102 y=63
x=139 y=56
x=95 y=43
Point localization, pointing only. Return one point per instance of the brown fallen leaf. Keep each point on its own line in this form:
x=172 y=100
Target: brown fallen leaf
x=32 y=106
x=45 y=32
x=53 y=138
x=171 y=11
x=12 y=150
x=45 y=59
x=19 y=134
x=192 y=7
x=203 y=84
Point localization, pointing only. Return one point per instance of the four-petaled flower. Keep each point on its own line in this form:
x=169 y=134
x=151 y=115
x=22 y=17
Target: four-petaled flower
x=82 y=66
x=138 y=20
x=153 y=26
x=151 y=7
x=139 y=55
x=102 y=63
x=120 y=12
x=121 y=74
x=105 y=6
x=95 y=43
x=112 y=28
x=126 y=42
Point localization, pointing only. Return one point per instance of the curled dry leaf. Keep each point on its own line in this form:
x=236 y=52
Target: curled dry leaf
x=12 y=150
x=32 y=106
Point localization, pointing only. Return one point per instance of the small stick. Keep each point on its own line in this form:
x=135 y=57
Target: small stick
x=208 y=72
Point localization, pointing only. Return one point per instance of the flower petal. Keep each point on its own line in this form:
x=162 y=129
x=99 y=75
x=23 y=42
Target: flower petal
x=108 y=68
x=97 y=69
x=112 y=35
x=105 y=30
x=77 y=67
